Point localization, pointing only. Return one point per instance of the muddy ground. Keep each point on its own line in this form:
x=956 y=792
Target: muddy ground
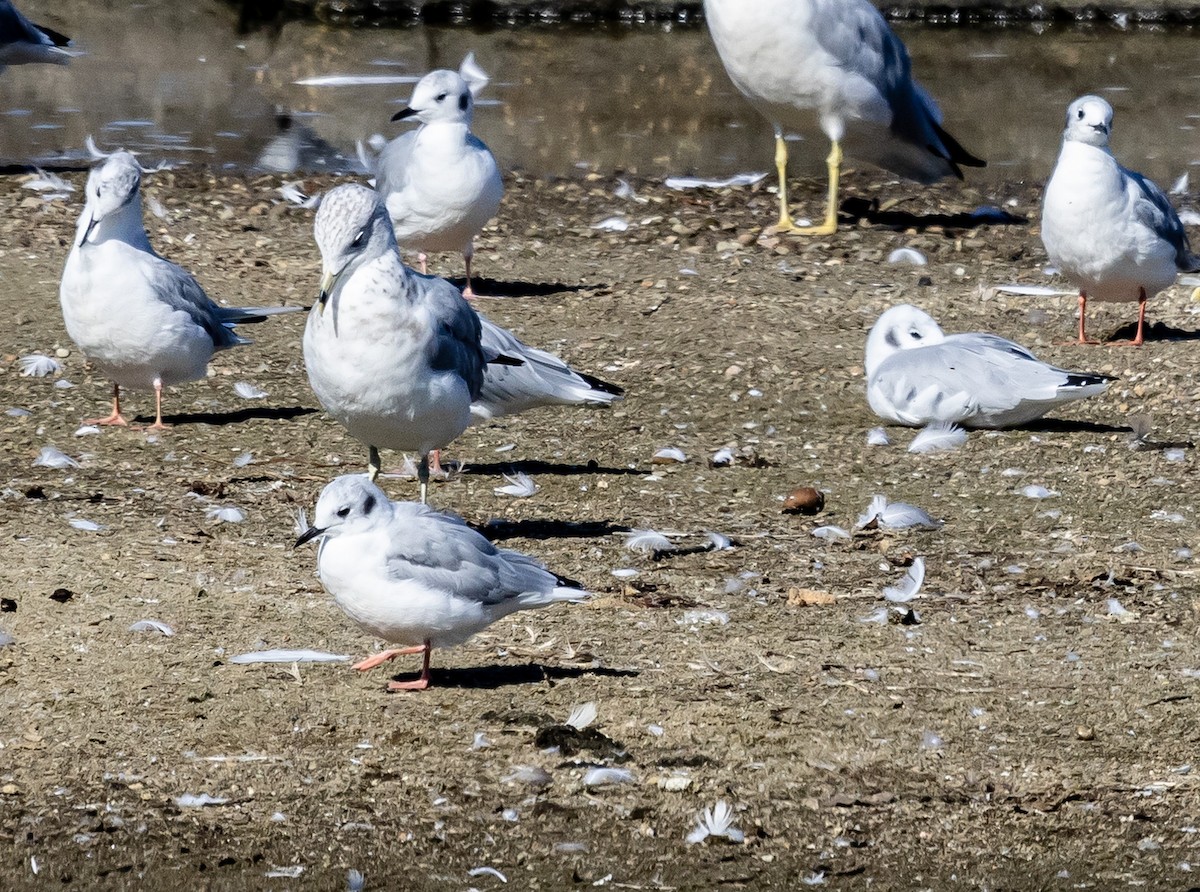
x=1014 y=733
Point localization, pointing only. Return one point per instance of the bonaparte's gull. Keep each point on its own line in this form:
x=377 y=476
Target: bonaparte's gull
x=144 y=321
x=416 y=577
x=840 y=62
x=1108 y=229
x=916 y=375
x=440 y=182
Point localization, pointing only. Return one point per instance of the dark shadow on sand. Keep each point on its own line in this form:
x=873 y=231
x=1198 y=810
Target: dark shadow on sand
x=220 y=419
x=489 y=678
x=1068 y=426
x=535 y=466
x=533 y=528
x=486 y=288
x=868 y=209
x=1157 y=331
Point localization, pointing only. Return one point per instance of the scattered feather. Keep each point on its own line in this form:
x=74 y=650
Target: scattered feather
x=582 y=715
x=1180 y=186
x=909 y=586
x=877 y=436
x=156 y=208
x=1189 y=217
x=289 y=656
x=1032 y=290
x=938 y=437
x=741 y=179
x=612 y=224
x=1116 y=608
x=48 y=182
x=50 y=457
x=355 y=80
x=716 y=821
x=707 y=617
x=406 y=471
x=831 y=533
x=722 y=458
x=669 y=454
x=907 y=255
x=648 y=542
x=604 y=777
x=878 y=617
x=88 y=526
x=63 y=384
x=301 y=525
x=248 y=391
x=931 y=740
x=293 y=194
x=896 y=516
x=38 y=365
x=481 y=741
x=519 y=486
x=190 y=800
x=17 y=412
x=245 y=458
x=625 y=573
x=1033 y=491
x=6 y=639
x=531 y=775
x=152 y=625
x=625 y=192
x=225 y=514
x=285 y=872
x=355 y=881
x=487 y=871
x=87 y=430
x=718 y=541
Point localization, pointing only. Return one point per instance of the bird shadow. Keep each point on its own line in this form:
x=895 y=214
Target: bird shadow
x=489 y=678
x=536 y=466
x=498 y=530
x=1071 y=426
x=485 y=288
x=868 y=209
x=1158 y=331
x=220 y=419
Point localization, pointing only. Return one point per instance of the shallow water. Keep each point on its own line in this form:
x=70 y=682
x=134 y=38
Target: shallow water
x=646 y=101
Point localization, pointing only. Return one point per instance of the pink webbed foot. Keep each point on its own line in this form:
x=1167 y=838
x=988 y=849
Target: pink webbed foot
x=115 y=418
x=385 y=656
x=418 y=684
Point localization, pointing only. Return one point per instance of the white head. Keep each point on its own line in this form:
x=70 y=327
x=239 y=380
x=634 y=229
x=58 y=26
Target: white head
x=113 y=207
x=1089 y=120
x=900 y=328
x=352 y=228
x=446 y=95
x=348 y=504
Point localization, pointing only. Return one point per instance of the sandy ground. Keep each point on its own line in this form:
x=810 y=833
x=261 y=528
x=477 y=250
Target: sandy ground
x=1013 y=733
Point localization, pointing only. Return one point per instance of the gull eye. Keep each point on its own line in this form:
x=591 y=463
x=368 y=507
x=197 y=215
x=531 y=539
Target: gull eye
x=1080 y=114
x=441 y=97
x=358 y=239
x=463 y=100
x=914 y=334
x=344 y=512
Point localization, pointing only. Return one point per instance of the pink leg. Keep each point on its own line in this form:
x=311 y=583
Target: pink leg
x=158 y=422
x=1083 y=319
x=116 y=417
x=468 y=292
x=421 y=258
x=382 y=657
x=435 y=463
x=418 y=684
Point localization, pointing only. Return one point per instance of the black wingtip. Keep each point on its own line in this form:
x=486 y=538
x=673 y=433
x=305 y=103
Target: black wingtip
x=1087 y=379
x=601 y=385
x=56 y=38
x=955 y=154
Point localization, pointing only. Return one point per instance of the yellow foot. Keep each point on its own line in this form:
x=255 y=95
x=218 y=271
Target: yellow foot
x=787 y=227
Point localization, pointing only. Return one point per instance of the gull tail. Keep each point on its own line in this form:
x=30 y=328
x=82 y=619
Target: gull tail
x=249 y=315
x=1081 y=384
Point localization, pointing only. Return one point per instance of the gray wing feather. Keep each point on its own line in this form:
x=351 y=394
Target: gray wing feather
x=1154 y=209
x=442 y=552
x=541 y=380
x=457 y=344
x=999 y=373
x=15 y=27
x=391 y=167
x=176 y=287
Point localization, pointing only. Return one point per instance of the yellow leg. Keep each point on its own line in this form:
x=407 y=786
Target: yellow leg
x=829 y=226
x=785 y=223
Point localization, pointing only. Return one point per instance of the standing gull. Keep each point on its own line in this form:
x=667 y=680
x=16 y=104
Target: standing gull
x=1109 y=230
x=839 y=61
x=916 y=375
x=417 y=578
x=394 y=357
x=145 y=322
x=440 y=182
x=22 y=42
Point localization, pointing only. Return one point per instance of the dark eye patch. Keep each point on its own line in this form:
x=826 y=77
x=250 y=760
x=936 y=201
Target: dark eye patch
x=369 y=505
x=890 y=337
x=462 y=102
